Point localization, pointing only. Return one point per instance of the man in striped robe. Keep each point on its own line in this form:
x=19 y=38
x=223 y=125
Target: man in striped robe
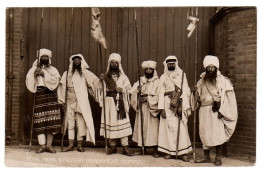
x=42 y=79
x=117 y=87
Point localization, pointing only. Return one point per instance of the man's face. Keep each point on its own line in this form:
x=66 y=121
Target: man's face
x=171 y=66
x=148 y=72
x=44 y=59
x=114 y=64
x=211 y=69
x=77 y=61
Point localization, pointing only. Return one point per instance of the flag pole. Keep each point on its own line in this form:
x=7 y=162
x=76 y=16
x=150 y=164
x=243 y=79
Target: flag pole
x=96 y=33
x=195 y=93
x=63 y=129
x=34 y=94
x=139 y=80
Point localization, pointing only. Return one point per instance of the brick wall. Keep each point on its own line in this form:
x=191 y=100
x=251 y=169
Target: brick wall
x=235 y=45
x=17 y=28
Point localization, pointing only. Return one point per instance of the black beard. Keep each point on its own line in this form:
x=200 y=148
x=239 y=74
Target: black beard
x=113 y=70
x=44 y=62
x=171 y=68
x=211 y=77
x=149 y=75
x=78 y=67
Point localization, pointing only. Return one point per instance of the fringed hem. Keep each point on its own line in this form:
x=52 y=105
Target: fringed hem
x=173 y=152
x=116 y=134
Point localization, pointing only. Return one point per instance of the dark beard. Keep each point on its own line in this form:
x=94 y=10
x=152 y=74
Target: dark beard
x=44 y=62
x=211 y=77
x=113 y=71
x=78 y=67
x=149 y=75
x=171 y=68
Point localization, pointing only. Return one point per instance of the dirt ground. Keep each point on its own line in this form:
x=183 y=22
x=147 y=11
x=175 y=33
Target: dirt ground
x=21 y=156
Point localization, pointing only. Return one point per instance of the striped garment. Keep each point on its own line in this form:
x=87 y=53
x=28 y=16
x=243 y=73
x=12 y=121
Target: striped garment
x=47 y=117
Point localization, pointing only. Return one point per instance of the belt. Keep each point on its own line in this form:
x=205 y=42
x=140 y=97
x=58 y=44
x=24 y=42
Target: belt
x=207 y=103
x=168 y=93
x=112 y=93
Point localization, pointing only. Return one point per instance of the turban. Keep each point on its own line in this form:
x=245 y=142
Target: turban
x=115 y=57
x=44 y=51
x=149 y=64
x=211 y=60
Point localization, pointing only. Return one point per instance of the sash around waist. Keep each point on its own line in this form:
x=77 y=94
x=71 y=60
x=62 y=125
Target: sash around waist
x=207 y=103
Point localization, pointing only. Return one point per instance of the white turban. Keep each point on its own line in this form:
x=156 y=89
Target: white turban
x=115 y=57
x=211 y=60
x=149 y=64
x=84 y=64
x=44 y=51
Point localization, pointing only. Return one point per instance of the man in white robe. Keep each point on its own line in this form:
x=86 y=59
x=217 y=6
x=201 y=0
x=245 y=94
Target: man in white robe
x=149 y=106
x=218 y=109
x=117 y=87
x=42 y=79
x=170 y=85
x=80 y=82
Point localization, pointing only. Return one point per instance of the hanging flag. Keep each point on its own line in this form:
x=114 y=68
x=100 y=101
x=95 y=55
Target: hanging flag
x=96 y=31
x=192 y=25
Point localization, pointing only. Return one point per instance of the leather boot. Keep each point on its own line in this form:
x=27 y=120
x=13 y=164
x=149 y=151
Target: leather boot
x=112 y=150
x=50 y=149
x=168 y=156
x=139 y=152
x=70 y=147
x=41 y=149
x=155 y=152
x=80 y=148
x=218 y=161
x=185 y=158
x=206 y=158
x=126 y=151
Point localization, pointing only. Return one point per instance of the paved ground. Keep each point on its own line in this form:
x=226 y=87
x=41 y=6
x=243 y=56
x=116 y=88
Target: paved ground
x=21 y=156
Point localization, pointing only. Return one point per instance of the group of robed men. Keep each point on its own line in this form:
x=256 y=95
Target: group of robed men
x=162 y=118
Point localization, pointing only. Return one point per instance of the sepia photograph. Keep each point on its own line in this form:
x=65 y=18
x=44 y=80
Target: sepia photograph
x=130 y=86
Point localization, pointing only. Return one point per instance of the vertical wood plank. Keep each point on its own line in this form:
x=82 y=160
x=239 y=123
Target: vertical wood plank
x=77 y=31
x=130 y=44
x=169 y=31
x=53 y=31
x=60 y=40
x=124 y=40
x=161 y=40
x=85 y=37
x=145 y=34
x=153 y=42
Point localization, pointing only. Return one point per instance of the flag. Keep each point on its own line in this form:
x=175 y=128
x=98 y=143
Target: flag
x=192 y=25
x=96 y=31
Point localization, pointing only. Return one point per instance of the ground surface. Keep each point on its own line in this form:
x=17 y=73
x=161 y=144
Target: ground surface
x=21 y=156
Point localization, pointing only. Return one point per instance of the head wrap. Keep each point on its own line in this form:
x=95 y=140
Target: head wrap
x=115 y=57
x=210 y=60
x=42 y=52
x=84 y=64
x=171 y=58
x=149 y=64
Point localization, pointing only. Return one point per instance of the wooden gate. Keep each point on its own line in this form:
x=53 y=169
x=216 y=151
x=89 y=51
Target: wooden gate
x=161 y=32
